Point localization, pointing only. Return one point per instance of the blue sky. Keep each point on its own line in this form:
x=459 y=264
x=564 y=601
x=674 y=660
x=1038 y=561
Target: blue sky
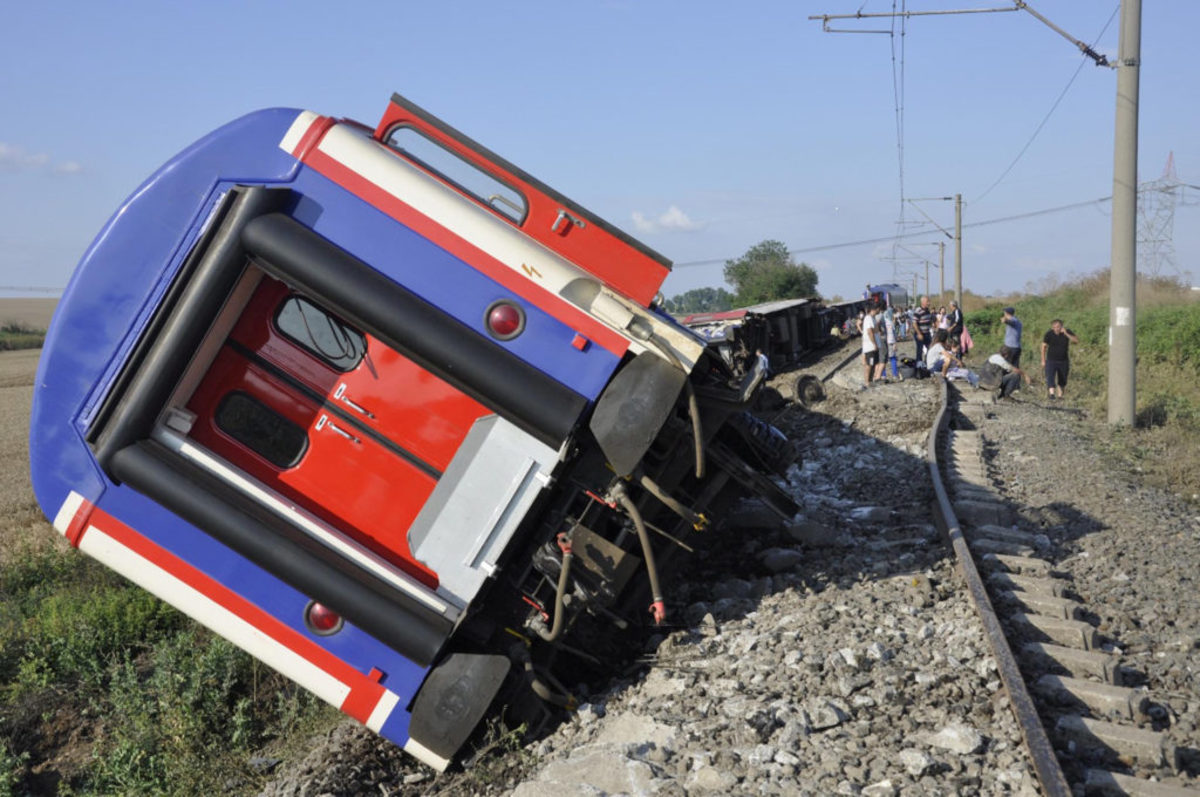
x=699 y=127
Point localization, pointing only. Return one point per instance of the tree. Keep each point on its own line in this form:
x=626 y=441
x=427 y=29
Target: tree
x=700 y=300
x=768 y=272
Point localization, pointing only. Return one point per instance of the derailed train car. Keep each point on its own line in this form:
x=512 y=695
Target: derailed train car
x=388 y=413
x=785 y=330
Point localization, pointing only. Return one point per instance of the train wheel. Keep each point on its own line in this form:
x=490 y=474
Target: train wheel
x=809 y=390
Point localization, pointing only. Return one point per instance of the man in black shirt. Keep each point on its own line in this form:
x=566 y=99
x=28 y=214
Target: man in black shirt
x=1056 y=357
x=922 y=326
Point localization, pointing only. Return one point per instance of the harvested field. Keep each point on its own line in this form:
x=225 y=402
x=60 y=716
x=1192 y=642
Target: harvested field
x=35 y=313
x=24 y=523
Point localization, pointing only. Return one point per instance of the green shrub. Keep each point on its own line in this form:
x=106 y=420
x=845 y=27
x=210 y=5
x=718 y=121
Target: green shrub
x=78 y=634
x=186 y=716
x=31 y=572
x=12 y=768
x=1170 y=334
x=172 y=707
x=19 y=335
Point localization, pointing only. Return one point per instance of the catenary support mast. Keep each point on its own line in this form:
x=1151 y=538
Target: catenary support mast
x=1122 y=338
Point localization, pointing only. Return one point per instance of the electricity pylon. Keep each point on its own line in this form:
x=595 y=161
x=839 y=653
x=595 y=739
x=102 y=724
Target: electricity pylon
x=1156 y=221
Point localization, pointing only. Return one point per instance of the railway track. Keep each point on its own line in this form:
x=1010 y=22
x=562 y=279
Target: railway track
x=1085 y=729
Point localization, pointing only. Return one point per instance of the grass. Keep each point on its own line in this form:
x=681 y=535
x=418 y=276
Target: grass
x=164 y=705
x=1164 y=446
x=16 y=335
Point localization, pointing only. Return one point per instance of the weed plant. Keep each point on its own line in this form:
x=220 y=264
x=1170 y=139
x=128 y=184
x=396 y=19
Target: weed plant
x=158 y=704
x=17 y=335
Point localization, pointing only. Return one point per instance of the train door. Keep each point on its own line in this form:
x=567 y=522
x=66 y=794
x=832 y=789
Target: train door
x=330 y=418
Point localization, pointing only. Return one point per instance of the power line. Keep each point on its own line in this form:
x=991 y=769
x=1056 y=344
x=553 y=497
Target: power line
x=1053 y=107
x=914 y=234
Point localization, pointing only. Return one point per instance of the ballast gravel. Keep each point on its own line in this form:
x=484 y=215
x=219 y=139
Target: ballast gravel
x=840 y=655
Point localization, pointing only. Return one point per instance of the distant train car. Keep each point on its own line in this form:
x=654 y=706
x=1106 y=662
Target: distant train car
x=784 y=330
x=887 y=295
x=388 y=413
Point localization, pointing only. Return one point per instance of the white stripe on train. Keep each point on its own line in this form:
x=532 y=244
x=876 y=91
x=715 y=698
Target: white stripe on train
x=512 y=248
x=98 y=544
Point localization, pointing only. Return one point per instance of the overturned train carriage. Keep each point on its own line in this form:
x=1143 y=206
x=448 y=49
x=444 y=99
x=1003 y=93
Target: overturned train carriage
x=388 y=413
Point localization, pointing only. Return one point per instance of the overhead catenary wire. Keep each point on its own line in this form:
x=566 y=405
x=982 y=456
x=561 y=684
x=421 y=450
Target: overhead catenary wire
x=903 y=14
x=827 y=247
x=1053 y=107
x=914 y=234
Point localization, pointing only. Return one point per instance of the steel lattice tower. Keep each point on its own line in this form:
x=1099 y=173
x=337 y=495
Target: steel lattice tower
x=1156 y=222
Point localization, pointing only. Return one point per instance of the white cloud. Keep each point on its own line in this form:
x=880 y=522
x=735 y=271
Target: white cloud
x=672 y=220
x=17 y=159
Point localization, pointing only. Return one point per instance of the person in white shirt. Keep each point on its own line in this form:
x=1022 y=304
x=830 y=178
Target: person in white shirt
x=869 y=343
x=887 y=352
x=939 y=358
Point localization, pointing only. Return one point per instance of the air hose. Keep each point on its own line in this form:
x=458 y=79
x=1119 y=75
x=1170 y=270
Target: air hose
x=657 y=609
x=558 y=698
x=564 y=543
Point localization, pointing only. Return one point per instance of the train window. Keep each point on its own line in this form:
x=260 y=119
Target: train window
x=341 y=347
x=462 y=174
x=261 y=429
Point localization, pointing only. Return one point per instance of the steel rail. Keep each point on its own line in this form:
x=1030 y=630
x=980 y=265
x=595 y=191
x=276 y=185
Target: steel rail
x=1045 y=762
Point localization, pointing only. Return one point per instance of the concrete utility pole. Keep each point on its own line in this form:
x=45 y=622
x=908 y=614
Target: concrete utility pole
x=942 y=268
x=958 y=249
x=1122 y=330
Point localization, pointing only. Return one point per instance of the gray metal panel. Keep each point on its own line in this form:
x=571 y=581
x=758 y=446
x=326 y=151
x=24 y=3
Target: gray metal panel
x=478 y=503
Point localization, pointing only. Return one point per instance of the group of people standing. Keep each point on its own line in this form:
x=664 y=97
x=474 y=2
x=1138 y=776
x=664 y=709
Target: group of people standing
x=927 y=323
x=942 y=343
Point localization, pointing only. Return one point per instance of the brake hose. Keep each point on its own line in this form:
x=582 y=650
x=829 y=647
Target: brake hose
x=657 y=609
